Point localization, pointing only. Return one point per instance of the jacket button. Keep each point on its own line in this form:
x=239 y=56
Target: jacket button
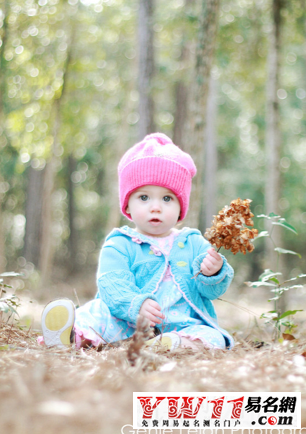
x=181 y=245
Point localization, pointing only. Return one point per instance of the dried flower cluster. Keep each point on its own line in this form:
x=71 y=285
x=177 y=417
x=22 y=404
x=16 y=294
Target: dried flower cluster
x=228 y=227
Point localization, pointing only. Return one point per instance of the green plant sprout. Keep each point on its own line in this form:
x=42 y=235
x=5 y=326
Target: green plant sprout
x=272 y=280
x=8 y=304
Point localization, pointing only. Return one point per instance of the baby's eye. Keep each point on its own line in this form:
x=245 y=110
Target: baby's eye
x=143 y=197
x=167 y=198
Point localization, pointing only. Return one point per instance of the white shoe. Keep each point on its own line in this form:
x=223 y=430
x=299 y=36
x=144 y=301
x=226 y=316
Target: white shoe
x=170 y=341
x=57 y=322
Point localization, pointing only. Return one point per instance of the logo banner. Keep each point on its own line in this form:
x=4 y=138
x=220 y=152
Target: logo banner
x=217 y=410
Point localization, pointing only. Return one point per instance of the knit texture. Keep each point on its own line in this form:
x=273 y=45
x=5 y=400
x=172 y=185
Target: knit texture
x=128 y=274
x=156 y=161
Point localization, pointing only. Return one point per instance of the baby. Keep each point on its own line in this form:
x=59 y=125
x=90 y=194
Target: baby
x=148 y=269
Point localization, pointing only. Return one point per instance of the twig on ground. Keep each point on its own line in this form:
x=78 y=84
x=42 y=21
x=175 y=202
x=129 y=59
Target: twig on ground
x=114 y=340
x=239 y=307
x=142 y=333
x=9 y=334
x=98 y=334
x=77 y=298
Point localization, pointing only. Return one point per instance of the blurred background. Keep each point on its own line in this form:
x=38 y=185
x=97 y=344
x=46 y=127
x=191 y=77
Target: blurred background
x=82 y=81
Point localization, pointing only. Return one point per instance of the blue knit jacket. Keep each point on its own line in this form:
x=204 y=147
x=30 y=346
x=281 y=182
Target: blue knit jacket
x=129 y=273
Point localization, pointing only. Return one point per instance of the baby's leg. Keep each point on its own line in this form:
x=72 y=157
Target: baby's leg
x=84 y=343
x=94 y=325
x=196 y=344
x=195 y=337
x=91 y=324
x=201 y=336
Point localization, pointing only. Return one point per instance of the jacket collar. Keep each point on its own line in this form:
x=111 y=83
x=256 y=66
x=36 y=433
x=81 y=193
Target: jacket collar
x=140 y=238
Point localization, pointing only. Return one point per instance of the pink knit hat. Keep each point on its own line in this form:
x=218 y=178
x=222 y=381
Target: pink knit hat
x=156 y=161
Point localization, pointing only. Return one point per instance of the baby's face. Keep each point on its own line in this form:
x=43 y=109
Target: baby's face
x=154 y=210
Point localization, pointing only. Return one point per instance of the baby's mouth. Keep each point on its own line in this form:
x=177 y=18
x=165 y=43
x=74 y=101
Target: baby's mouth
x=155 y=221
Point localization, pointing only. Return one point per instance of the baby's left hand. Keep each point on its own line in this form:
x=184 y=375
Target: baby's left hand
x=212 y=263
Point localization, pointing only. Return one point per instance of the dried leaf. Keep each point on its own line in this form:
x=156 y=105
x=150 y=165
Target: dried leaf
x=288 y=337
x=229 y=228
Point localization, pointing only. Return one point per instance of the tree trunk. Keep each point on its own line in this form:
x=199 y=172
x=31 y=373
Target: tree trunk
x=72 y=241
x=181 y=90
x=181 y=102
x=47 y=247
x=146 y=67
x=195 y=133
x=180 y=117
x=33 y=214
x=114 y=214
x=5 y=12
x=209 y=199
x=2 y=245
x=273 y=148
x=273 y=136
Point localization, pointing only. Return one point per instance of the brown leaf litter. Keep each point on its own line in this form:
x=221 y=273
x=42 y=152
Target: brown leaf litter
x=47 y=390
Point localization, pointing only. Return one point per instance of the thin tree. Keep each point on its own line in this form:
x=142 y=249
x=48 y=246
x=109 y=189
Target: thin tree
x=273 y=143
x=72 y=240
x=4 y=36
x=198 y=106
x=273 y=135
x=181 y=88
x=33 y=213
x=146 y=67
x=181 y=102
x=116 y=152
x=47 y=247
x=209 y=196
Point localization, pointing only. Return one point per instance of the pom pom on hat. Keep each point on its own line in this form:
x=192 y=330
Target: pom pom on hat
x=156 y=160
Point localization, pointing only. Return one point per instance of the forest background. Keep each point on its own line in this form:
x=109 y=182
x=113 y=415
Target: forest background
x=82 y=81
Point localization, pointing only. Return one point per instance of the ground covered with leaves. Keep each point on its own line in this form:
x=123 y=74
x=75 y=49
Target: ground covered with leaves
x=47 y=390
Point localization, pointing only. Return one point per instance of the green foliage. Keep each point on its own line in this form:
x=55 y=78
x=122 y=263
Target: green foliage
x=278 y=221
x=273 y=280
x=8 y=304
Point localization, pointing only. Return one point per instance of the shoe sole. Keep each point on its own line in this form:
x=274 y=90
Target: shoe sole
x=170 y=343
x=57 y=323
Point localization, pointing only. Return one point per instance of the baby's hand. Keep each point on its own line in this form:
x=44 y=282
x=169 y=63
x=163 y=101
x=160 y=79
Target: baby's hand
x=151 y=310
x=212 y=263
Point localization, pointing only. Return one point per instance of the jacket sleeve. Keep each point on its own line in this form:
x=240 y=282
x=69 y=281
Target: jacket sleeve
x=116 y=284
x=214 y=286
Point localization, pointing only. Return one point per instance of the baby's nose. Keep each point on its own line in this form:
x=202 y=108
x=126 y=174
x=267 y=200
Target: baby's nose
x=156 y=206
